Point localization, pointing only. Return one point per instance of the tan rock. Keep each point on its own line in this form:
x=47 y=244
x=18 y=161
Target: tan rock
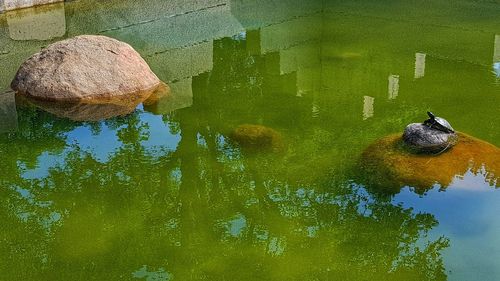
x=89 y=69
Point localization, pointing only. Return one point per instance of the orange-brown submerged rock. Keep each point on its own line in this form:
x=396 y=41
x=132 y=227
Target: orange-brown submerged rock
x=388 y=164
x=80 y=111
x=258 y=138
x=84 y=111
x=95 y=110
x=163 y=91
x=87 y=68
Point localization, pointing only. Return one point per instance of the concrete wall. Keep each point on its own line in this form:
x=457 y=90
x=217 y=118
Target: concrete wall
x=8 y=5
x=179 y=31
x=42 y=23
x=176 y=40
x=253 y=14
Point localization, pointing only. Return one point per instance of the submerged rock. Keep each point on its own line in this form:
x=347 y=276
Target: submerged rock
x=422 y=138
x=84 y=111
x=89 y=69
x=163 y=91
x=255 y=138
x=388 y=165
x=88 y=111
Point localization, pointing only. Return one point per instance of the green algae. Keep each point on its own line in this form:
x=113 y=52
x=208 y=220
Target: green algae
x=164 y=193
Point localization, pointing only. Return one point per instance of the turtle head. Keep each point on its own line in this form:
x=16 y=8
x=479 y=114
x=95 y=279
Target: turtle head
x=431 y=115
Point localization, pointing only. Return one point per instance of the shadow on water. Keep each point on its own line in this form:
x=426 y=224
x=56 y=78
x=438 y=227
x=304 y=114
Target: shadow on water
x=163 y=193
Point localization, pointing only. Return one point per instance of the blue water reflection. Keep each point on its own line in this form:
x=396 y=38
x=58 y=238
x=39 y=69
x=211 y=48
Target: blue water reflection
x=466 y=212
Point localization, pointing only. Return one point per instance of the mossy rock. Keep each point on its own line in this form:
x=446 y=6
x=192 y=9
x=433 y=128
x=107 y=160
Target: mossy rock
x=257 y=138
x=388 y=164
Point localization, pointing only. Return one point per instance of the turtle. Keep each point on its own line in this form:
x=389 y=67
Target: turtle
x=438 y=123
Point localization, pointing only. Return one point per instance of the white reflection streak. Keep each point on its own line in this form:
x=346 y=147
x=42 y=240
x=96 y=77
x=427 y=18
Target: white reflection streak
x=419 y=65
x=496 y=56
x=368 y=107
x=315 y=110
x=393 y=86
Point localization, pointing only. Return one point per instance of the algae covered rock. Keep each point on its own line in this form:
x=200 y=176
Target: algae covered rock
x=388 y=165
x=87 y=68
x=257 y=138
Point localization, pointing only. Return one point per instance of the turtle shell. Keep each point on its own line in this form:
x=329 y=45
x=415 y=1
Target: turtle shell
x=443 y=125
x=438 y=123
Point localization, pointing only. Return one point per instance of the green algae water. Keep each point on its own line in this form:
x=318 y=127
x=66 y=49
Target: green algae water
x=164 y=194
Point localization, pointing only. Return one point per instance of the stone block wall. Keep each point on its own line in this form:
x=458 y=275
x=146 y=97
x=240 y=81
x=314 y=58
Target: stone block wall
x=7 y=5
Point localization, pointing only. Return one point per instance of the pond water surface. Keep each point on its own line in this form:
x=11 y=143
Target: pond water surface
x=163 y=194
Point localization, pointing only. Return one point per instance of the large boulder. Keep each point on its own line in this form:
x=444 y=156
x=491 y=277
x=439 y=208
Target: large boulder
x=422 y=138
x=388 y=165
x=88 y=69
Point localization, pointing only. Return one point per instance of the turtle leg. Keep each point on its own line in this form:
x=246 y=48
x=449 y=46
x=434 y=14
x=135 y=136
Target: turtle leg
x=429 y=123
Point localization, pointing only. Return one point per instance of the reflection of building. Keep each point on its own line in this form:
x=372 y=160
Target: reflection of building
x=37 y=23
x=290 y=33
x=419 y=65
x=181 y=96
x=181 y=63
x=496 y=56
x=393 y=86
x=368 y=107
x=291 y=48
x=179 y=30
x=304 y=60
x=187 y=54
x=8 y=113
x=315 y=110
x=181 y=53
